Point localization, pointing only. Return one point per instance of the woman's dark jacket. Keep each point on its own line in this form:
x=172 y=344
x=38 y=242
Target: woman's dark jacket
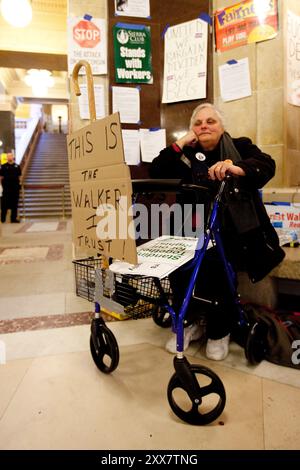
x=250 y=240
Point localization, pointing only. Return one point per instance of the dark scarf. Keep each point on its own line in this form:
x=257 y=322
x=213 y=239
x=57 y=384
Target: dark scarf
x=228 y=149
x=238 y=201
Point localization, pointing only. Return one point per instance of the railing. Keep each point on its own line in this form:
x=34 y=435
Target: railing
x=43 y=186
x=26 y=148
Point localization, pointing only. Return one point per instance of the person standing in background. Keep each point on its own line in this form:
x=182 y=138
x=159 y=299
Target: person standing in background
x=10 y=174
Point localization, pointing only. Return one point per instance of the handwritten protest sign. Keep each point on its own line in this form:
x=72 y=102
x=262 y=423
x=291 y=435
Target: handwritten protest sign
x=185 y=62
x=293 y=58
x=101 y=190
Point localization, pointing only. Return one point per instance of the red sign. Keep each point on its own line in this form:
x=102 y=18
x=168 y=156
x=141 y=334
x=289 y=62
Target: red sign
x=86 y=34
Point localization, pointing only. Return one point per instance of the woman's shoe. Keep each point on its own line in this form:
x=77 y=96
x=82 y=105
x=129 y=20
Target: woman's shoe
x=217 y=349
x=191 y=333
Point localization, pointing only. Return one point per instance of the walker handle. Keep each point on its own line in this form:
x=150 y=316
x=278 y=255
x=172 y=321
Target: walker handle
x=90 y=85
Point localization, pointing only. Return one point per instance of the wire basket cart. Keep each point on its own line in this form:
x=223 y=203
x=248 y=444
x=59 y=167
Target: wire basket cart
x=120 y=295
x=138 y=297
x=85 y=277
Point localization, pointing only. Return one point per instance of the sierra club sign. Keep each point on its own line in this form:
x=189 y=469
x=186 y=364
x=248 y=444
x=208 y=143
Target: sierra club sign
x=132 y=46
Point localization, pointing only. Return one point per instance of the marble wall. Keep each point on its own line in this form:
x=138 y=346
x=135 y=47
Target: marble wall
x=7 y=130
x=260 y=116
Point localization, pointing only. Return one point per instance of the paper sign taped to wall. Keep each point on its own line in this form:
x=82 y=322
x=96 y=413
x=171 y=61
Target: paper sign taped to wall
x=101 y=191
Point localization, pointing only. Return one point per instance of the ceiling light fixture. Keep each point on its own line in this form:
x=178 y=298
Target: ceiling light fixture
x=17 y=13
x=40 y=81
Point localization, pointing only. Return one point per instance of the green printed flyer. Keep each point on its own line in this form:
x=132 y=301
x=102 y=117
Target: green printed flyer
x=132 y=50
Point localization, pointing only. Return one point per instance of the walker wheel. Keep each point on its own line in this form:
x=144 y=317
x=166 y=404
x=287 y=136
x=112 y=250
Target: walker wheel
x=105 y=350
x=162 y=317
x=210 y=401
x=256 y=343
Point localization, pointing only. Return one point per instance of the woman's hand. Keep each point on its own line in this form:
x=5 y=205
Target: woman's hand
x=219 y=170
x=188 y=139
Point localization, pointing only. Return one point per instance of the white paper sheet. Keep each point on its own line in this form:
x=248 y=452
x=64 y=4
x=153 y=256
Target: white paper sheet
x=235 y=80
x=84 y=103
x=131 y=141
x=152 y=142
x=159 y=257
x=140 y=8
x=185 y=62
x=87 y=41
x=293 y=62
x=126 y=100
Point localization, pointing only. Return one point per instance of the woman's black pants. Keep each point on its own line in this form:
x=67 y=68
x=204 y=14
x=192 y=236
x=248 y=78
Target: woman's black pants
x=212 y=285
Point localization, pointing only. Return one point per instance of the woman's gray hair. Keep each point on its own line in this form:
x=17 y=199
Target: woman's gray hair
x=202 y=106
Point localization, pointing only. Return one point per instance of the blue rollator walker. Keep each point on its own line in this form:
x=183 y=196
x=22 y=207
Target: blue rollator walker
x=198 y=382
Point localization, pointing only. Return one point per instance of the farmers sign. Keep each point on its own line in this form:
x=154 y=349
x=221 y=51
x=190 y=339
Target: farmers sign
x=245 y=22
x=87 y=41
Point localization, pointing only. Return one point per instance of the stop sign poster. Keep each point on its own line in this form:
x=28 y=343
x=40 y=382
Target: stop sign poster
x=87 y=41
x=132 y=48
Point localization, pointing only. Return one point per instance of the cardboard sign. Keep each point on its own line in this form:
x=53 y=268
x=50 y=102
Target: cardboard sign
x=101 y=190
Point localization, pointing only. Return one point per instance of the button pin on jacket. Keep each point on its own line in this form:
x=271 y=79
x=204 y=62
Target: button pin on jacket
x=200 y=156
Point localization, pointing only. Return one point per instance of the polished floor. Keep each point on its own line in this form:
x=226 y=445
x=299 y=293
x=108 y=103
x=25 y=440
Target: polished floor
x=54 y=397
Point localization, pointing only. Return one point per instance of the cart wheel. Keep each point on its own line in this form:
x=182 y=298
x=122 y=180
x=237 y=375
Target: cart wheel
x=162 y=317
x=256 y=343
x=206 y=409
x=106 y=352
